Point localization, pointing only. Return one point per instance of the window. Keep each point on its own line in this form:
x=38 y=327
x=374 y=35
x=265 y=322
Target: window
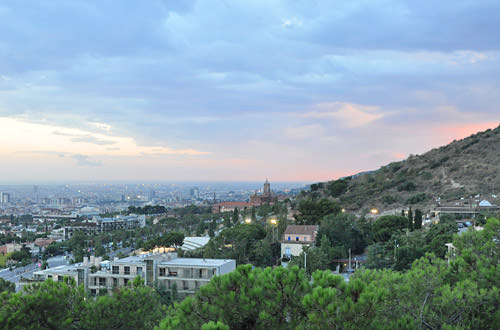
x=297 y=238
x=287 y=251
x=115 y=270
x=102 y=281
x=289 y=238
x=139 y=271
x=200 y=273
x=125 y=281
x=162 y=271
x=127 y=270
x=115 y=282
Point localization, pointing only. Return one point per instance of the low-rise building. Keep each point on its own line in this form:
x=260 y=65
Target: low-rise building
x=100 y=225
x=295 y=237
x=162 y=269
x=189 y=274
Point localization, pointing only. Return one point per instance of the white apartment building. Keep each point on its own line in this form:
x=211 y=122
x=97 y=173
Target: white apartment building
x=191 y=273
x=161 y=269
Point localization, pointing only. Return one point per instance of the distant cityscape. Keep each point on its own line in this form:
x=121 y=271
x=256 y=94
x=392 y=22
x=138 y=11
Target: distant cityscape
x=91 y=199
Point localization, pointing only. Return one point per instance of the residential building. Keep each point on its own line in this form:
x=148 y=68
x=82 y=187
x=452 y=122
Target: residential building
x=189 y=274
x=162 y=269
x=78 y=272
x=102 y=225
x=295 y=237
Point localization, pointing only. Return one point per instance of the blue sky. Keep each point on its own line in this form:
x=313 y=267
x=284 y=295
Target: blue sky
x=239 y=90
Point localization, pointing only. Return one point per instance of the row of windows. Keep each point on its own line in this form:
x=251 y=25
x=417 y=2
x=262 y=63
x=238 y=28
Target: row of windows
x=126 y=270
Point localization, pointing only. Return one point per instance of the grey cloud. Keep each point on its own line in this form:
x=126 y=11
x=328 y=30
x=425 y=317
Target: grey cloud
x=83 y=160
x=62 y=134
x=91 y=139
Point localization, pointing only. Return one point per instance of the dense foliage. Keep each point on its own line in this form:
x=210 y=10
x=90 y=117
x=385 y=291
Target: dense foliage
x=148 y=209
x=62 y=305
x=461 y=293
x=433 y=294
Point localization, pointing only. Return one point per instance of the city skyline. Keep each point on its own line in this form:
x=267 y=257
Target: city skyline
x=241 y=91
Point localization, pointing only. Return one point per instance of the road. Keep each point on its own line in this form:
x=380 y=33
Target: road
x=124 y=251
x=27 y=271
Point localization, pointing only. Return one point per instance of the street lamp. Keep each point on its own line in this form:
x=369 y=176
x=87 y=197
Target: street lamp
x=274 y=223
x=373 y=211
x=248 y=221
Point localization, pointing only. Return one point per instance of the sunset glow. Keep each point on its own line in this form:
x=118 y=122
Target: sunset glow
x=204 y=90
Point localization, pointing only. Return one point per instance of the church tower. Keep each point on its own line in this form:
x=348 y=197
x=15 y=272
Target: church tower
x=267 y=189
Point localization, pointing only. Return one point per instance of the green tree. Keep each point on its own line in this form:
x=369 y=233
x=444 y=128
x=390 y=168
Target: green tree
x=227 y=220
x=259 y=299
x=136 y=307
x=214 y=326
x=7 y=286
x=385 y=226
x=48 y=305
x=411 y=224
x=174 y=294
x=342 y=231
x=312 y=211
x=236 y=216
x=418 y=219
x=313 y=258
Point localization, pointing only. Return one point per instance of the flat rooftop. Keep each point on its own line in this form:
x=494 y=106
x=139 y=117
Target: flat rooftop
x=196 y=262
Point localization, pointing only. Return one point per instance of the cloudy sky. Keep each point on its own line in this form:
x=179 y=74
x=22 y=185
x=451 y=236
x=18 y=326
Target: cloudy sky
x=239 y=90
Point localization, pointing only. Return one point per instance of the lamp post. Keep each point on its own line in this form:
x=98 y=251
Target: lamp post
x=274 y=223
x=305 y=261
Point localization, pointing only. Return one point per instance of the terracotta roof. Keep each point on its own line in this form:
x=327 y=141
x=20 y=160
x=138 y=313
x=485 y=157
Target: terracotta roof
x=236 y=204
x=44 y=242
x=301 y=229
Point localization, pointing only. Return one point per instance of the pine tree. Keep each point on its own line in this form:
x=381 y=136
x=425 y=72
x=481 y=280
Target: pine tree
x=410 y=220
x=227 y=220
x=174 y=294
x=418 y=219
x=236 y=216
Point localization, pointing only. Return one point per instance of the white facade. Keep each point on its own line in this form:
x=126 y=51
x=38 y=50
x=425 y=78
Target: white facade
x=162 y=269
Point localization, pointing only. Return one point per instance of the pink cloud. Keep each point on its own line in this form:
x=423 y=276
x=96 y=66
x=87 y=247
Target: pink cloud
x=457 y=132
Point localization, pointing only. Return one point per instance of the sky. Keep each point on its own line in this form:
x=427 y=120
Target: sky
x=239 y=90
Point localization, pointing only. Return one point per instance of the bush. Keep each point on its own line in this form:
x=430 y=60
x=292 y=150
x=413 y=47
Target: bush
x=389 y=199
x=407 y=186
x=338 y=187
x=427 y=175
x=420 y=197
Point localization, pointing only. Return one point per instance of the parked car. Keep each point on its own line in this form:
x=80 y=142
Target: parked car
x=468 y=224
x=460 y=225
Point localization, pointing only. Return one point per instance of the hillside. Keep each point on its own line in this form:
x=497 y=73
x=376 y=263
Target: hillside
x=451 y=173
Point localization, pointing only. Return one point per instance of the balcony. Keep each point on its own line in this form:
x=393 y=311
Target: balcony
x=108 y=273
x=182 y=276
